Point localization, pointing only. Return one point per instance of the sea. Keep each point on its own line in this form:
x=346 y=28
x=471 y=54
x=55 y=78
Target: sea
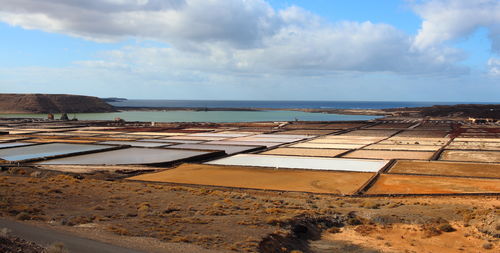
x=275 y=104
x=235 y=116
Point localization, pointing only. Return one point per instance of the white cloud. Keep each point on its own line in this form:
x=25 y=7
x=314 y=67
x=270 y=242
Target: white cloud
x=250 y=37
x=345 y=46
x=238 y=22
x=445 y=20
x=494 y=66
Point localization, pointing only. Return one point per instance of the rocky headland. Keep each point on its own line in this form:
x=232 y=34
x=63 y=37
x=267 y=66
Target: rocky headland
x=52 y=103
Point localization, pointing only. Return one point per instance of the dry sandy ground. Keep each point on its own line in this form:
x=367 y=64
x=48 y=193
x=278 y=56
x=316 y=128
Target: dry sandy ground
x=415 y=184
x=403 y=147
x=307 y=132
x=392 y=126
x=446 y=168
x=415 y=141
x=474 y=145
x=340 y=141
x=144 y=214
x=371 y=133
x=323 y=126
x=333 y=182
x=326 y=145
x=417 y=133
x=406 y=238
x=388 y=154
x=471 y=156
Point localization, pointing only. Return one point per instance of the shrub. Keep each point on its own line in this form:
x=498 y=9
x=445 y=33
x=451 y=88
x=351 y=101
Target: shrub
x=364 y=230
x=23 y=216
x=446 y=228
x=57 y=247
x=354 y=221
x=75 y=220
x=277 y=220
x=180 y=239
x=488 y=246
x=394 y=204
x=4 y=232
x=98 y=208
x=431 y=231
x=143 y=207
x=370 y=204
x=118 y=230
x=3 y=202
x=333 y=230
x=273 y=210
x=64 y=178
x=55 y=190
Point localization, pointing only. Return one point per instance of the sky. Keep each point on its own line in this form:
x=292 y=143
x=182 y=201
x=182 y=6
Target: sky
x=336 y=50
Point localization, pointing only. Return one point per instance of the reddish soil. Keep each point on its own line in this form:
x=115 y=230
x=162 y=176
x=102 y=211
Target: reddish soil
x=447 y=168
x=262 y=178
x=413 y=184
x=392 y=126
x=307 y=132
x=387 y=154
x=471 y=156
x=408 y=238
x=326 y=145
x=403 y=147
x=422 y=133
x=338 y=140
x=148 y=215
x=371 y=133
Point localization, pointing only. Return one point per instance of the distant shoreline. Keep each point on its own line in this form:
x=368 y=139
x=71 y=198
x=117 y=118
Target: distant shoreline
x=371 y=112
x=462 y=110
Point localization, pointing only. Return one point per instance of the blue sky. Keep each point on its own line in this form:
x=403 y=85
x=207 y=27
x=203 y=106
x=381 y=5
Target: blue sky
x=392 y=50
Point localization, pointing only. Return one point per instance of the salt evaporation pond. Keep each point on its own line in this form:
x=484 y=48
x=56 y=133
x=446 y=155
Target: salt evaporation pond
x=46 y=150
x=297 y=162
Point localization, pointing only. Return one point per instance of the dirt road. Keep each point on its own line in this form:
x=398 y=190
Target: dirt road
x=72 y=243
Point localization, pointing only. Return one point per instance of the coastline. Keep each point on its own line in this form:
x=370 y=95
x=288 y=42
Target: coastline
x=491 y=111
x=73 y=104
x=371 y=112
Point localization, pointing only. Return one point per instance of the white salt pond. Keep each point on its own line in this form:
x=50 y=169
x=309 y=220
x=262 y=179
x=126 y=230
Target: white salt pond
x=297 y=162
x=46 y=150
x=129 y=156
x=229 y=149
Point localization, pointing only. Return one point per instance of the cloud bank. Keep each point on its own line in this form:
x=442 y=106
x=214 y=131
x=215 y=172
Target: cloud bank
x=251 y=37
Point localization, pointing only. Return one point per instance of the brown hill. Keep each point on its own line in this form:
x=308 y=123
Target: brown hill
x=52 y=103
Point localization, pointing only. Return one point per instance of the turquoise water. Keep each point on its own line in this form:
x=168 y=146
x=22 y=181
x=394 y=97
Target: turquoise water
x=203 y=116
x=275 y=104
